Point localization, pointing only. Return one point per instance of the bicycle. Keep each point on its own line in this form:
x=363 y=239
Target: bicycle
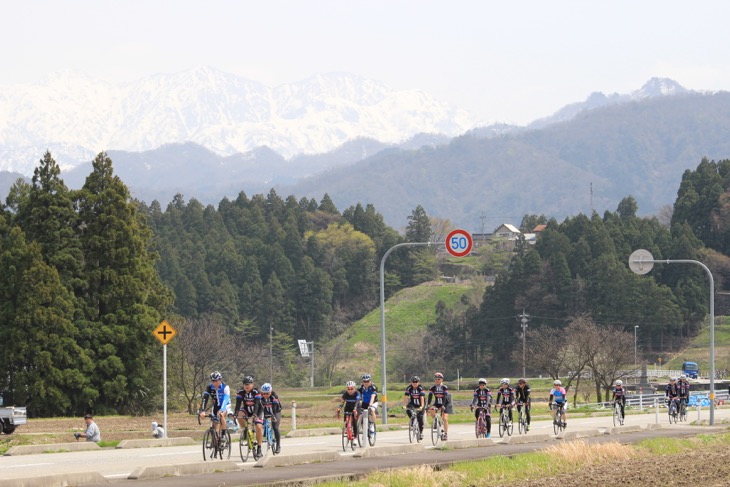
x=247 y=442
x=522 y=418
x=269 y=437
x=348 y=434
x=558 y=425
x=618 y=418
x=437 y=427
x=673 y=413
x=414 y=432
x=361 y=431
x=480 y=426
x=215 y=442
x=505 y=425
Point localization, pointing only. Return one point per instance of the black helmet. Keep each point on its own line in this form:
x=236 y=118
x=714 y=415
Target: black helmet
x=216 y=375
x=415 y=378
x=247 y=379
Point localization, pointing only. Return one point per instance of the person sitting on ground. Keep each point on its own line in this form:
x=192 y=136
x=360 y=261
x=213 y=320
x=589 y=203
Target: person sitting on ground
x=92 y=432
x=157 y=430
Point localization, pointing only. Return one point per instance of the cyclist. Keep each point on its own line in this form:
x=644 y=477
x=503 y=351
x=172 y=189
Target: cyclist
x=483 y=400
x=671 y=392
x=558 y=400
x=619 y=394
x=220 y=395
x=352 y=402
x=683 y=385
x=506 y=397
x=522 y=396
x=414 y=400
x=369 y=395
x=439 y=393
x=246 y=400
x=269 y=406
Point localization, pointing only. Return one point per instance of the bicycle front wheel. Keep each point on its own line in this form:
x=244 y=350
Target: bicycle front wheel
x=209 y=445
x=244 y=446
x=345 y=439
x=616 y=415
x=225 y=445
x=371 y=434
x=510 y=426
x=413 y=430
x=521 y=422
x=436 y=430
x=360 y=432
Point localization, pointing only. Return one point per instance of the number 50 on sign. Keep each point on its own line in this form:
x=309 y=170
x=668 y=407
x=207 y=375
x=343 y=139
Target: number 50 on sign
x=459 y=243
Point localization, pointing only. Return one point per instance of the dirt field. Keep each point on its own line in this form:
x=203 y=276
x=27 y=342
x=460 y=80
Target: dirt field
x=708 y=467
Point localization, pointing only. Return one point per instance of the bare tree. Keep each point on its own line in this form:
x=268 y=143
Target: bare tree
x=613 y=350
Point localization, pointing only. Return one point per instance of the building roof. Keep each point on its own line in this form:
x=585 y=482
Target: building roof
x=539 y=228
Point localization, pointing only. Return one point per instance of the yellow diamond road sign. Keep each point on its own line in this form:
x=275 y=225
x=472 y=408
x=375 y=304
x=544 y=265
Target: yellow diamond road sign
x=165 y=332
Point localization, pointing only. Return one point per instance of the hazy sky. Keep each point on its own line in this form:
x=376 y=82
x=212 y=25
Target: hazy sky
x=503 y=61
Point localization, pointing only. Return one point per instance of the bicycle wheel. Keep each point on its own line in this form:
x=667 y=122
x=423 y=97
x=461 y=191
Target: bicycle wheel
x=244 y=446
x=502 y=423
x=268 y=437
x=412 y=428
x=522 y=422
x=670 y=413
x=209 y=445
x=345 y=439
x=683 y=412
x=481 y=426
x=616 y=415
x=436 y=430
x=360 y=431
x=557 y=424
x=510 y=426
x=225 y=445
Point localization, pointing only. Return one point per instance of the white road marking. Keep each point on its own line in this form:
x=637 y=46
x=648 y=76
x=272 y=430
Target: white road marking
x=28 y=465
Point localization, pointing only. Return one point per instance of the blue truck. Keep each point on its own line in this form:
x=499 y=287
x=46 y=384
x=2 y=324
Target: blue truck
x=691 y=369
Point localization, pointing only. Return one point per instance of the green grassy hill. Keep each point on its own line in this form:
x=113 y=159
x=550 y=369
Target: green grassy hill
x=407 y=315
x=699 y=350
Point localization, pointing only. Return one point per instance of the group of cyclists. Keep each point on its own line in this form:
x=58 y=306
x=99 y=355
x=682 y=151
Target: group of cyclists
x=251 y=404
x=258 y=404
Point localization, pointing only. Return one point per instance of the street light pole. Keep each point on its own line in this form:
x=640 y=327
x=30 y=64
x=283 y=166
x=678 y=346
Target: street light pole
x=524 y=336
x=636 y=327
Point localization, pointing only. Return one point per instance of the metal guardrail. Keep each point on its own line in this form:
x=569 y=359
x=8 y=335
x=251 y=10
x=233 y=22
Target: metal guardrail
x=647 y=400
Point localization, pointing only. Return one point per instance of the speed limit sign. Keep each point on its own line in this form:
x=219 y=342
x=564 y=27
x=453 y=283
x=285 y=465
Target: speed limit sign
x=459 y=243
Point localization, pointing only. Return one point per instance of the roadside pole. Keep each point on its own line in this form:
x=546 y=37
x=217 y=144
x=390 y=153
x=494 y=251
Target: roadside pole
x=164 y=333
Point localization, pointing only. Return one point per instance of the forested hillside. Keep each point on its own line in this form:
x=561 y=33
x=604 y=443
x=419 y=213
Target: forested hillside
x=87 y=275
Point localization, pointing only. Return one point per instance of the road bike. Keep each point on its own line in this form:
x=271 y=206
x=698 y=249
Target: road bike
x=437 y=427
x=247 y=442
x=618 y=418
x=349 y=439
x=673 y=411
x=414 y=432
x=505 y=425
x=558 y=425
x=269 y=437
x=480 y=426
x=216 y=443
x=522 y=418
x=361 y=430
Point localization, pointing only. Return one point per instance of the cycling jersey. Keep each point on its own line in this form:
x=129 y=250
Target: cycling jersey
x=220 y=397
x=619 y=393
x=522 y=394
x=683 y=387
x=267 y=406
x=506 y=395
x=558 y=395
x=351 y=401
x=416 y=395
x=246 y=402
x=671 y=390
x=440 y=394
x=369 y=395
x=482 y=397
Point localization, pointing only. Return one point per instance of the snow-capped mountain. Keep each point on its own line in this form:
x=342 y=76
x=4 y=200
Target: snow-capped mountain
x=76 y=116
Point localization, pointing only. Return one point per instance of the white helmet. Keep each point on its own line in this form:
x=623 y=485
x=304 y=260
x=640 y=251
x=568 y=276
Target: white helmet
x=350 y=384
x=557 y=383
x=483 y=381
x=619 y=382
x=682 y=377
x=504 y=381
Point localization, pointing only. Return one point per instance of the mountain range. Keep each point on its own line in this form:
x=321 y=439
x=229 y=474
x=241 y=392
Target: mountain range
x=586 y=156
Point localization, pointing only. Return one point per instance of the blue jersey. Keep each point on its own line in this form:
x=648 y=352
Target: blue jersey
x=558 y=394
x=368 y=395
x=220 y=396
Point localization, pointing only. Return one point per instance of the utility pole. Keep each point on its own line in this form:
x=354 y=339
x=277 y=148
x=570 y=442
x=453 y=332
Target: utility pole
x=271 y=354
x=524 y=320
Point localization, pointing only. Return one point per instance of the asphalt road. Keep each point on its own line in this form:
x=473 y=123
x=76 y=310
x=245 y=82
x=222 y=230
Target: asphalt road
x=117 y=464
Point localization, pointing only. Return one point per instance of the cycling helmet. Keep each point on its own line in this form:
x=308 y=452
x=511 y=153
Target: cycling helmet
x=438 y=375
x=415 y=378
x=350 y=384
x=619 y=383
x=483 y=381
x=521 y=381
x=366 y=377
x=265 y=388
x=504 y=381
x=673 y=379
x=682 y=377
x=557 y=383
x=247 y=379
x=216 y=375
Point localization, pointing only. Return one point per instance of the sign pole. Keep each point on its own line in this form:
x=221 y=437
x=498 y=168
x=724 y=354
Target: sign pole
x=164 y=386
